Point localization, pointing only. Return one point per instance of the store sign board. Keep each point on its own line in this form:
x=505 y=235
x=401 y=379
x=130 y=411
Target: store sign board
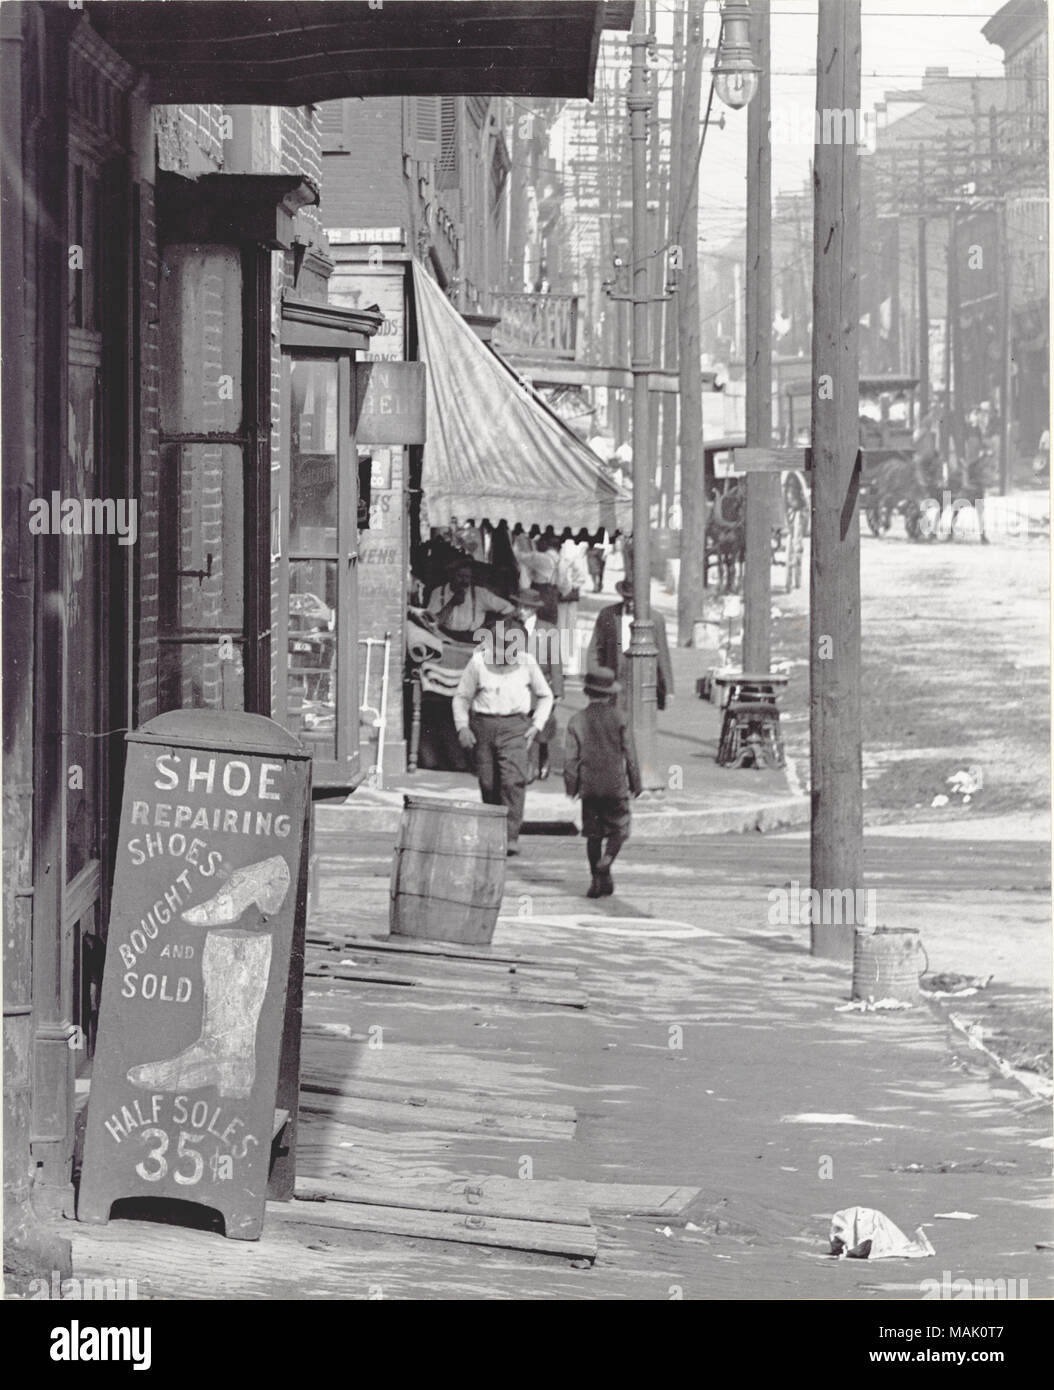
x=365 y=236
x=359 y=287
x=389 y=403
x=208 y=903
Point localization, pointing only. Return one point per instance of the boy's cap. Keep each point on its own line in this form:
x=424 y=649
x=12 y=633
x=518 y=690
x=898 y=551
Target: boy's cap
x=601 y=681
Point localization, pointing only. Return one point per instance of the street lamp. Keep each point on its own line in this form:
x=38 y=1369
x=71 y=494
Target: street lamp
x=735 y=72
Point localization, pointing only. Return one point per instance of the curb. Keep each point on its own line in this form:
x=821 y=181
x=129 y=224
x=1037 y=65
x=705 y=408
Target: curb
x=732 y=820
x=671 y=824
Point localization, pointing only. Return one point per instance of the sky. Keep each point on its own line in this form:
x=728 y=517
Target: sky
x=900 y=38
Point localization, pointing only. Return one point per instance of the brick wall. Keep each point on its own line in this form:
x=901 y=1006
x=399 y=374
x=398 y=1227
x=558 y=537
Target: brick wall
x=189 y=138
x=364 y=185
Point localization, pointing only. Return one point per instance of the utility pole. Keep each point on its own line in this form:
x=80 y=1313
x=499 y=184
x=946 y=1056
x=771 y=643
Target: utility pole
x=952 y=350
x=761 y=488
x=1006 y=306
x=894 y=314
x=657 y=191
x=834 y=640
x=1006 y=326
x=924 y=296
x=953 y=380
x=690 y=586
x=672 y=312
x=642 y=651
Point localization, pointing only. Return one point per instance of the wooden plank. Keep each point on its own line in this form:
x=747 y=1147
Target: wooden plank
x=334 y=971
x=396 y=955
x=771 y=460
x=504 y=1233
x=421 y=970
x=173 y=1262
x=516 y=987
x=524 y=992
x=464 y=1198
x=325 y=927
x=357 y=1110
x=637 y=1199
x=472 y=1101
x=440 y=968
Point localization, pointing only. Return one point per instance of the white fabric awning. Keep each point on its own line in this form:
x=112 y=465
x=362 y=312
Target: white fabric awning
x=494 y=448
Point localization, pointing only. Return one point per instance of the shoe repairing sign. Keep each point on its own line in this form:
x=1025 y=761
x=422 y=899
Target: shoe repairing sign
x=197 y=1048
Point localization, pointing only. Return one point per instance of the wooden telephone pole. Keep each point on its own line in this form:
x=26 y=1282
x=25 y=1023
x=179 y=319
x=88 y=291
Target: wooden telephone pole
x=761 y=488
x=668 y=489
x=686 y=235
x=642 y=651
x=834 y=656
x=924 y=296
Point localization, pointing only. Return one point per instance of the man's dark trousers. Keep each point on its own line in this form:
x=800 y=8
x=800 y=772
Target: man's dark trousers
x=501 y=764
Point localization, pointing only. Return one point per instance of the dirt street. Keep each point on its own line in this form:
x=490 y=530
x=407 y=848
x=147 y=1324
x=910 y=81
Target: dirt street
x=956 y=672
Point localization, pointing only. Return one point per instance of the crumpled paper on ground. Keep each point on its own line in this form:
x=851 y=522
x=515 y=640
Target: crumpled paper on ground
x=872 y=1006
x=861 y=1233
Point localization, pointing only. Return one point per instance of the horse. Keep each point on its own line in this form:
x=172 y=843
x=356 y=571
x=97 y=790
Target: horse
x=726 y=536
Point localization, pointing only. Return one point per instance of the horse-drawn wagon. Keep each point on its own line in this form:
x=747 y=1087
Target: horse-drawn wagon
x=900 y=463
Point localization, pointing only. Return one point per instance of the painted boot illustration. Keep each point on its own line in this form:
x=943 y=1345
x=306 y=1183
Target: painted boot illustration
x=235 y=966
x=264 y=883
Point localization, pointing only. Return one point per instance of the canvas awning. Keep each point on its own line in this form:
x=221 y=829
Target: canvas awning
x=494 y=448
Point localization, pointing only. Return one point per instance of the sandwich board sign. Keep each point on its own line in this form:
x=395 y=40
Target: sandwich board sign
x=197 y=1048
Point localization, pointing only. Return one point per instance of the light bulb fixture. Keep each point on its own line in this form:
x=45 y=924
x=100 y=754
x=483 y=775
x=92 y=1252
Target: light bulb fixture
x=735 y=72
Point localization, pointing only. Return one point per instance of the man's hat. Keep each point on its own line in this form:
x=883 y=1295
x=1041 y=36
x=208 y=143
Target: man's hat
x=529 y=598
x=625 y=588
x=601 y=681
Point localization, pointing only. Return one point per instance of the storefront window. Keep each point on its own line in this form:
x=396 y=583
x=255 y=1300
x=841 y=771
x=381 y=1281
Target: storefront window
x=201 y=602
x=312 y=684
x=313 y=457
x=316 y=557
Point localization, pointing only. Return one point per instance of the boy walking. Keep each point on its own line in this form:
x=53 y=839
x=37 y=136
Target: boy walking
x=600 y=766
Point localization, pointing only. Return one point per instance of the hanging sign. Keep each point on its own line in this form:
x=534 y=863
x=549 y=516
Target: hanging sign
x=388 y=402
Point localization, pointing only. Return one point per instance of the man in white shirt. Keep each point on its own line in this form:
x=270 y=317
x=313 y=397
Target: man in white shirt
x=492 y=714
x=460 y=607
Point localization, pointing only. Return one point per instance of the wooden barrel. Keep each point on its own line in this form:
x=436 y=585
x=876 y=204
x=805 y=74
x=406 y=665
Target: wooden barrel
x=448 y=874
x=887 y=964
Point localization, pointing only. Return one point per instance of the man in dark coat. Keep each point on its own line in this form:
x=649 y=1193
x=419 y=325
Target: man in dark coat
x=611 y=639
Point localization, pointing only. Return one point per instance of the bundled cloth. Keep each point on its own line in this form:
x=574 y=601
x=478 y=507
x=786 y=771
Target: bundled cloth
x=861 y=1233
x=440 y=658
x=441 y=676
